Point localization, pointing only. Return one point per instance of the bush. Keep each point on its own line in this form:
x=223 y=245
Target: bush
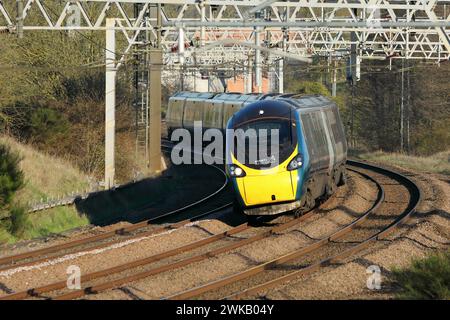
x=4 y=235
x=11 y=177
x=46 y=126
x=308 y=87
x=425 y=279
x=18 y=221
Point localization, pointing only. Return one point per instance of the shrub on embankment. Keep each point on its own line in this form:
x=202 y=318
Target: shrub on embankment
x=11 y=181
x=43 y=177
x=427 y=278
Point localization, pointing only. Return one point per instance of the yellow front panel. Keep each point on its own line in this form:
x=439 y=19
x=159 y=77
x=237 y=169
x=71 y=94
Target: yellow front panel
x=266 y=189
x=258 y=186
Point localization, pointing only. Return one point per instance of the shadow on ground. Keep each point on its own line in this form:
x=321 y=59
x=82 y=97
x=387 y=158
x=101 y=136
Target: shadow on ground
x=176 y=187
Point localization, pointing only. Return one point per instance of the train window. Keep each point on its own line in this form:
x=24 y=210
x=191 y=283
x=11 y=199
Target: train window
x=316 y=139
x=189 y=113
x=287 y=141
x=208 y=115
x=217 y=116
x=332 y=125
x=309 y=135
x=175 y=112
x=340 y=135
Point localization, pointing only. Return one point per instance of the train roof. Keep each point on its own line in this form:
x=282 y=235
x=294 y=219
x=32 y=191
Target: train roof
x=303 y=102
x=196 y=95
x=299 y=101
x=237 y=97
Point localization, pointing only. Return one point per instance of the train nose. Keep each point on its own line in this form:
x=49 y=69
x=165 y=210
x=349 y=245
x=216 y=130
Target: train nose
x=265 y=189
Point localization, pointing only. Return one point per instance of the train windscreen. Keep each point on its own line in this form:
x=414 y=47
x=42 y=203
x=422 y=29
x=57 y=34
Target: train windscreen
x=264 y=143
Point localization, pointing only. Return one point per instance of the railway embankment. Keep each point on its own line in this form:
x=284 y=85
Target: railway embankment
x=48 y=177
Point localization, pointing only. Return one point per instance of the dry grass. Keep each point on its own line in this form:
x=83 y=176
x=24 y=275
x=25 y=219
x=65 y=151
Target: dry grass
x=437 y=163
x=46 y=177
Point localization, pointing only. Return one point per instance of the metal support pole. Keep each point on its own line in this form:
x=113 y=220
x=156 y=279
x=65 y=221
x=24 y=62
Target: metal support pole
x=156 y=60
x=334 y=88
x=281 y=64
x=258 y=71
x=408 y=108
x=402 y=104
x=158 y=26
x=250 y=75
x=181 y=45
x=19 y=18
x=281 y=75
x=245 y=76
x=203 y=28
x=181 y=56
x=110 y=103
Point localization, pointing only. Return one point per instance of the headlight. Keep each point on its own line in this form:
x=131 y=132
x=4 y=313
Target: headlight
x=236 y=171
x=295 y=163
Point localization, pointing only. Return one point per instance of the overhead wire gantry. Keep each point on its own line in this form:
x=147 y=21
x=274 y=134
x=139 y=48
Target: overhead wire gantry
x=210 y=32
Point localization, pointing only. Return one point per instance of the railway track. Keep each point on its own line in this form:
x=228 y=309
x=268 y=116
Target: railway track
x=255 y=279
x=58 y=287
x=321 y=253
x=134 y=231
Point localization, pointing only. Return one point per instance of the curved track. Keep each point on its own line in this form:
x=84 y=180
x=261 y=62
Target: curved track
x=115 y=236
x=58 y=288
x=273 y=273
x=255 y=279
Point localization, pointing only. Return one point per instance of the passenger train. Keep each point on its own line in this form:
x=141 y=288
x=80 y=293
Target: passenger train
x=312 y=148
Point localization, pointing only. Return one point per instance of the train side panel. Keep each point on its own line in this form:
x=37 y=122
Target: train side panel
x=175 y=113
x=319 y=155
x=193 y=111
x=337 y=130
x=230 y=108
x=213 y=114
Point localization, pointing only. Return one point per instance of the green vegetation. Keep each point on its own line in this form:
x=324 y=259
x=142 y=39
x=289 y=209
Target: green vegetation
x=43 y=177
x=308 y=87
x=11 y=177
x=52 y=96
x=437 y=163
x=52 y=101
x=371 y=109
x=18 y=222
x=54 y=221
x=11 y=180
x=427 y=278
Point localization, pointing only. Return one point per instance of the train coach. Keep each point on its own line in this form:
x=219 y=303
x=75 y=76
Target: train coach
x=213 y=109
x=311 y=153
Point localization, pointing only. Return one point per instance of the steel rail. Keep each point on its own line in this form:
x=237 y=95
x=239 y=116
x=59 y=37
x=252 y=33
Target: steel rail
x=414 y=202
x=114 y=283
x=118 y=282
x=133 y=264
x=139 y=235
x=10 y=260
x=339 y=257
x=178 y=264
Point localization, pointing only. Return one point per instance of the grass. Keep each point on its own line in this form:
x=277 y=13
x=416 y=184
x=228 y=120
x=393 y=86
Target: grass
x=46 y=177
x=54 y=221
x=427 y=278
x=437 y=163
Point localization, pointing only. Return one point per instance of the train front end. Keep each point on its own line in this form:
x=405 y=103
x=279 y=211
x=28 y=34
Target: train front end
x=265 y=158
